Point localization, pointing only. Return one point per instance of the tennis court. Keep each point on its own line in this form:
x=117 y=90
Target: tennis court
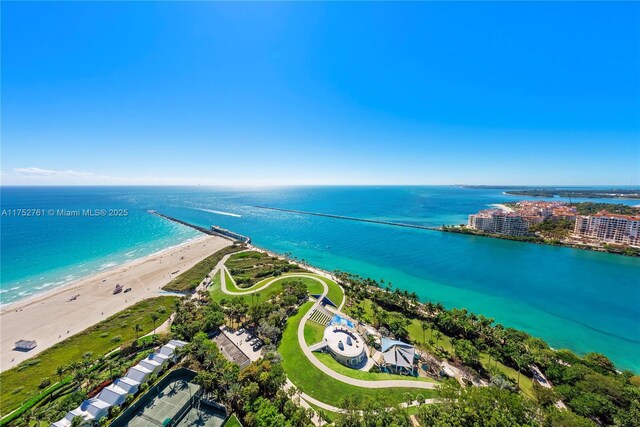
x=202 y=416
x=169 y=401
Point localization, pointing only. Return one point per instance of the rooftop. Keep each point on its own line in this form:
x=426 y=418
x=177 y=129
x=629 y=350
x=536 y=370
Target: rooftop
x=343 y=340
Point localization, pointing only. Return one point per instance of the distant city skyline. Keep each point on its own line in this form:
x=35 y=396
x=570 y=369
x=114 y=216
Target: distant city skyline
x=210 y=93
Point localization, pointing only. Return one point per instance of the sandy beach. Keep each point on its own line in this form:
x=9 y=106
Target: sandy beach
x=502 y=207
x=51 y=317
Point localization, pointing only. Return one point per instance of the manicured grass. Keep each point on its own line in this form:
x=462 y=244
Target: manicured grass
x=321 y=386
x=250 y=267
x=190 y=279
x=232 y=286
x=233 y=422
x=332 y=363
x=265 y=294
x=21 y=383
x=328 y=415
x=526 y=384
x=416 y=335
x=313 y=332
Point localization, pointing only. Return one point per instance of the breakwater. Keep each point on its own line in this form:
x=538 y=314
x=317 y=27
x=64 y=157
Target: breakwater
x=213 y=231
x=349 y=218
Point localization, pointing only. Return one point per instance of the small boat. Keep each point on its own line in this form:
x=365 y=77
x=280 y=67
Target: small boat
x=127 y=290
x=118 y=289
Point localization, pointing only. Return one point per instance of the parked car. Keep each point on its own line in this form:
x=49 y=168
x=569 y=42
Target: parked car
x=249 y=337
x=257 y=346
x=240 y=331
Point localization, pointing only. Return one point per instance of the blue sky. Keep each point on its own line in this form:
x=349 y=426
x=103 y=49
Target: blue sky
x=317 y=93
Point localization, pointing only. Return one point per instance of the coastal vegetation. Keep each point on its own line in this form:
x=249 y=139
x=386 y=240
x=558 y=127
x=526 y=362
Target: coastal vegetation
x=248 y=268
x=590 y=386
x=614 y=193
x=67 y=365
x=189 y=280
x=590 y=208
x=496 y=368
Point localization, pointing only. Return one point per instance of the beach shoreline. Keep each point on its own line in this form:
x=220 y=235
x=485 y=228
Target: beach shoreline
x=31 y=318
x=76 y=281
x=502 y=207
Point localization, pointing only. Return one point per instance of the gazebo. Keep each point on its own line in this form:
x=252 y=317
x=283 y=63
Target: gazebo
x=398 y=356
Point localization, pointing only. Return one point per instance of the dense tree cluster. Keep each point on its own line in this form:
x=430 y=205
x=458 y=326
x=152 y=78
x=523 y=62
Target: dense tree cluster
x=254 y=393
x=590 y=386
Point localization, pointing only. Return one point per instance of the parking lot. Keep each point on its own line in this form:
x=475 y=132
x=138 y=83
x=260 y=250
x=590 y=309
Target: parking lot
x=242 y=344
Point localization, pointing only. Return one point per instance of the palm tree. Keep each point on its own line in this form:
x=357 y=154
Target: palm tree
x=424 y=326
x=154 y=319
x=137 y=328
x=77 y=421
x=371 y=340
x=438 y=336
x=60 y=370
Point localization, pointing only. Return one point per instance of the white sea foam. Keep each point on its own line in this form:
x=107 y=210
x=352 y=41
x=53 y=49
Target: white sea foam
x=106 y=265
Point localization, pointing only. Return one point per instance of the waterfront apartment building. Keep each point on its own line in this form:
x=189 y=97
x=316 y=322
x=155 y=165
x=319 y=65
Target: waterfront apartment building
x=609 y=228
x=501 y=222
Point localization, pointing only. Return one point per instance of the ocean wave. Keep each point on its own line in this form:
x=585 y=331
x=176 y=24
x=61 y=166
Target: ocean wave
x=106 y=265
x=219 y=212
x=4 y=291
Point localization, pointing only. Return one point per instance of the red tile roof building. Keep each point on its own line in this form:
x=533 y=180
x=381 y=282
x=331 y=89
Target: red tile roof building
x=609 y=228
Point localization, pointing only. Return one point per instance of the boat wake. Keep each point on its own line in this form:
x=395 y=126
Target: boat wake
x=218 y=212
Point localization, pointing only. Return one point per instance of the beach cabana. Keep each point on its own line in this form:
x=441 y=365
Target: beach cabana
x=152 y=365
x=127 y=384
x=398 y=356
x=160 y=358
x=113 y=395
x=138 y=373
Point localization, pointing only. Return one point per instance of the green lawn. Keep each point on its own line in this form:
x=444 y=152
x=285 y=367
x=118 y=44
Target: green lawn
x=321 y=386
x=416 y=335
x=250 y=267
x=264 y=295
x=313 y=332
x=233 y=422
x=21 y=383
x=328 y=415
x=189 y=280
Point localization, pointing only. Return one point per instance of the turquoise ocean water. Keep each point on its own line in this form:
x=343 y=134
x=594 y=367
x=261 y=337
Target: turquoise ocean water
x=581 y=300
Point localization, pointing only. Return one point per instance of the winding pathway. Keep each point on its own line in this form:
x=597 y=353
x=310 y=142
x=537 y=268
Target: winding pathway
x=309 y=354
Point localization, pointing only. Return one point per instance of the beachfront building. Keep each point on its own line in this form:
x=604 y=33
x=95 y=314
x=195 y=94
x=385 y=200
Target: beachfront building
x=606 y=227
x=398 y=357
x=341 y=340
x=501 y=222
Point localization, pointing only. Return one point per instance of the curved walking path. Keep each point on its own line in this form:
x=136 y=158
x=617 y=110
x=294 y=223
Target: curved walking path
x=309 y=354
x=343 y=378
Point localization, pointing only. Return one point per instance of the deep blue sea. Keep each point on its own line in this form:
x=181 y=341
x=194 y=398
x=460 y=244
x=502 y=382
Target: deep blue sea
x=575 y=299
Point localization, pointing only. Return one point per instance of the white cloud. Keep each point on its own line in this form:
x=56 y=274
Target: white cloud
x=39 y=172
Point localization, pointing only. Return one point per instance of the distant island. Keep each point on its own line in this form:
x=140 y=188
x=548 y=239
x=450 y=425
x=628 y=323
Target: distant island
x=613 y=193
x=604 y=227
